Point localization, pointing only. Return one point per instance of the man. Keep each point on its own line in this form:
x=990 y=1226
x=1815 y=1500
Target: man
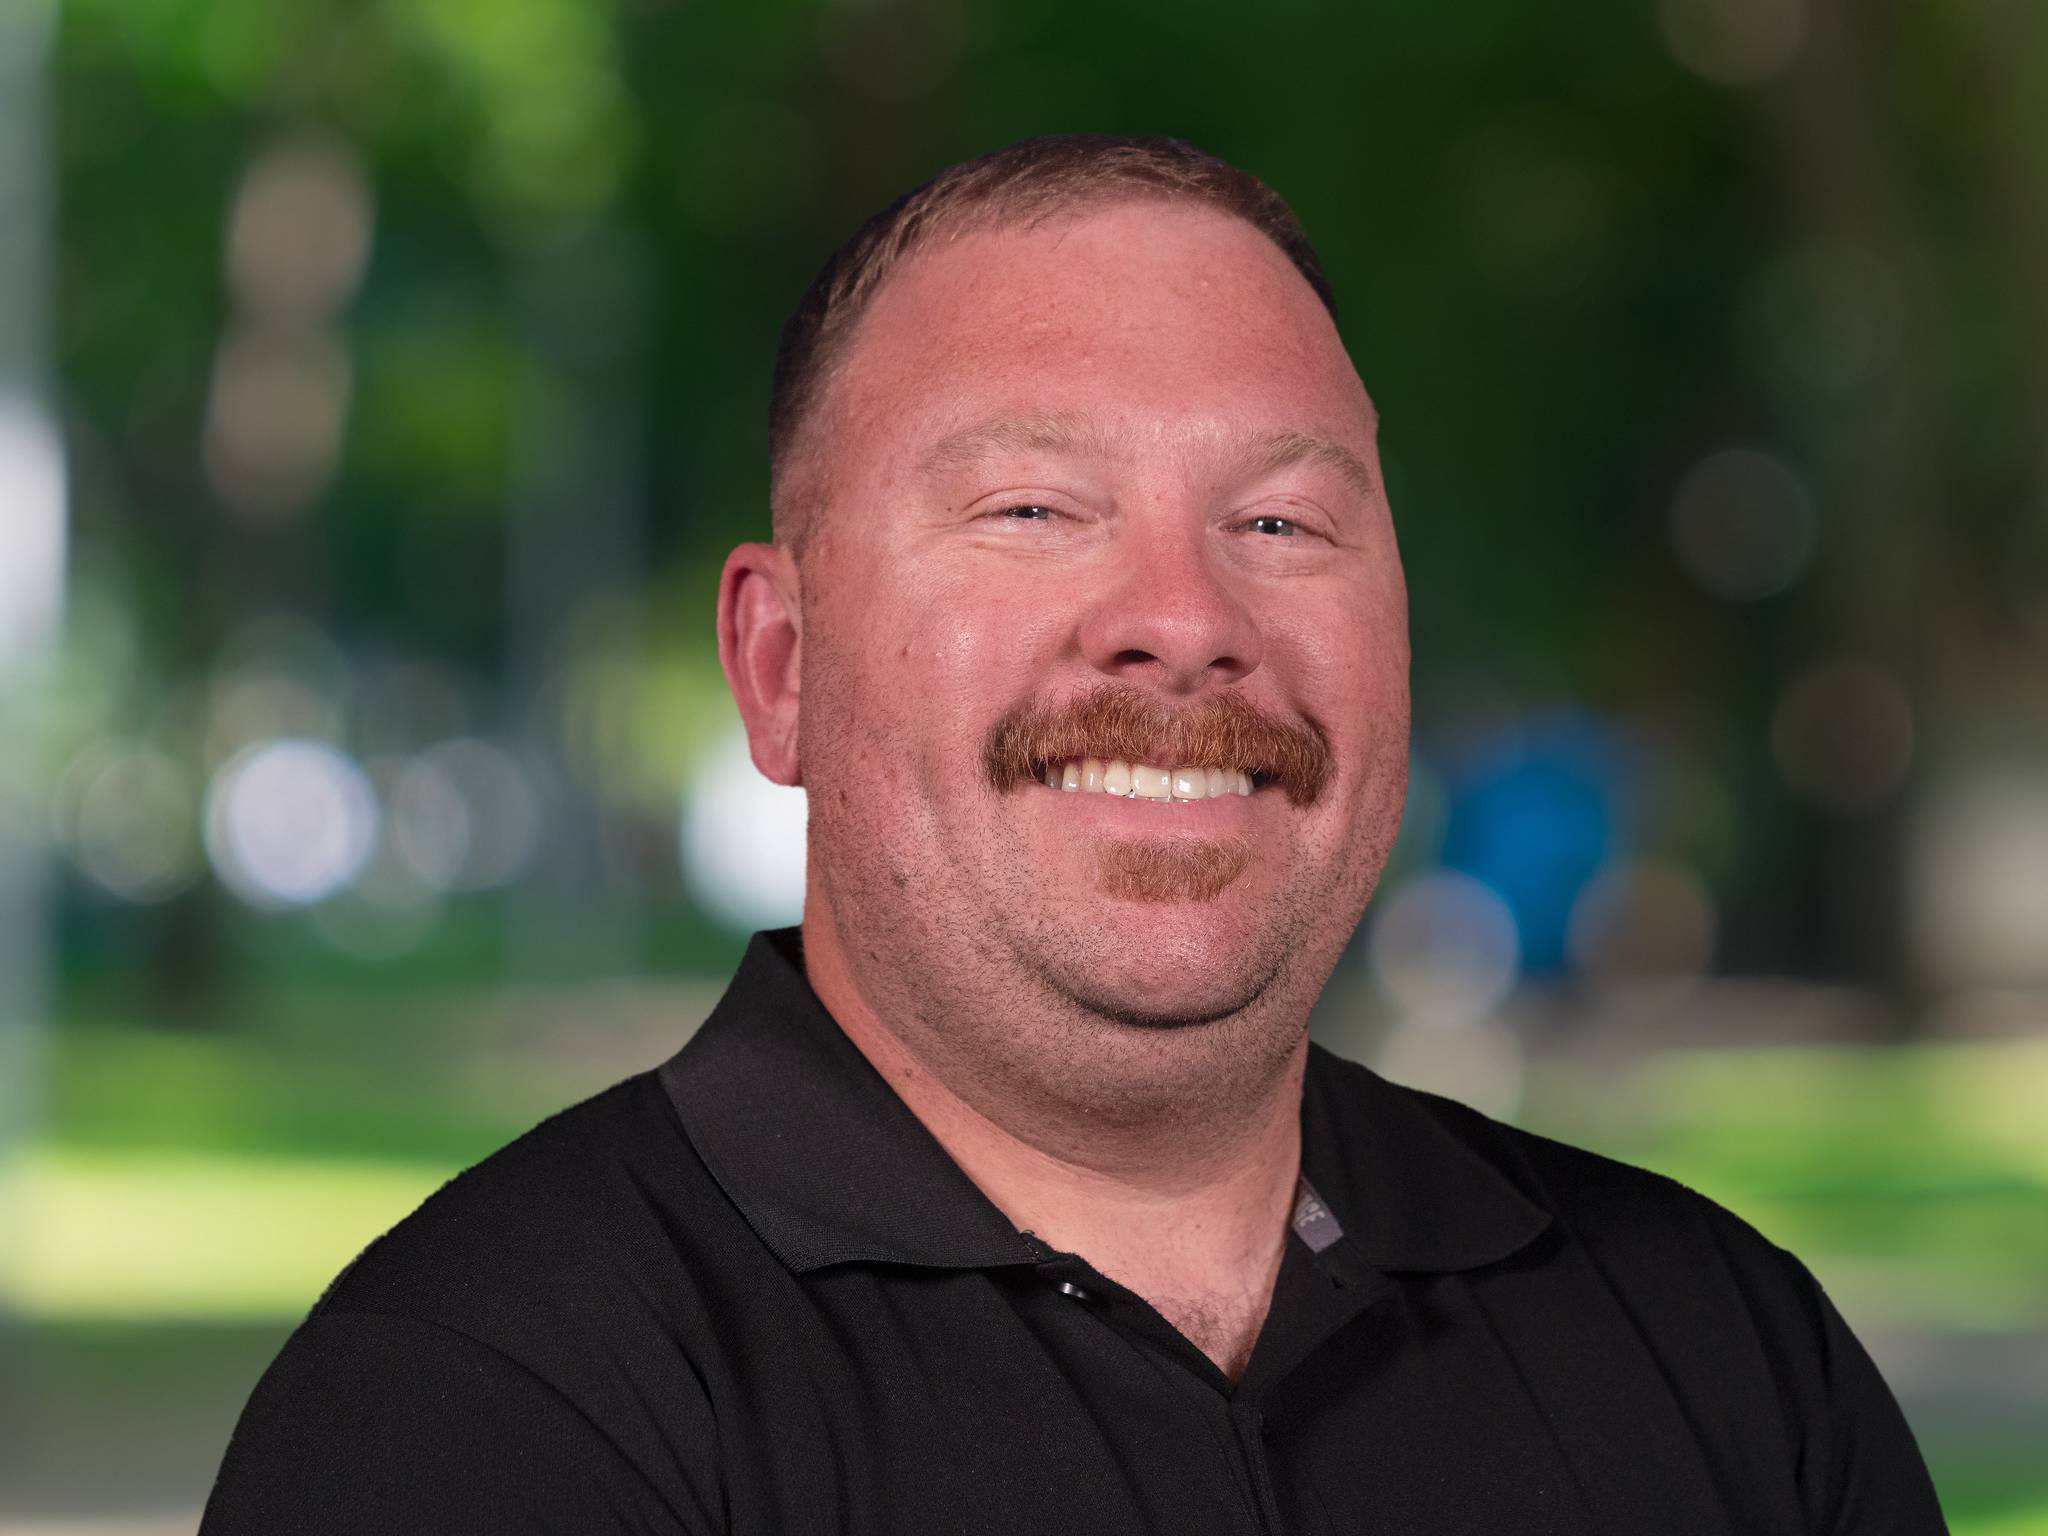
x=1008 y=1195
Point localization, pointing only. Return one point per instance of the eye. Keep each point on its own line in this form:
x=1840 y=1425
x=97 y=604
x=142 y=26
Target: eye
x=1029 y=513
x=1276 y=527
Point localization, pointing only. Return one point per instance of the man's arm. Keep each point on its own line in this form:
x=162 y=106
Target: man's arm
x=1862 y=1473
x=378 y=1423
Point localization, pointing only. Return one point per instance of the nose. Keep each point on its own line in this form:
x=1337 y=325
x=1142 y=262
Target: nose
x=1170 y=618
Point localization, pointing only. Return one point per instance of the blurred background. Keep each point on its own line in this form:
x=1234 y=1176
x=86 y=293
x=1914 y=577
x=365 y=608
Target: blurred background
x=382 y=382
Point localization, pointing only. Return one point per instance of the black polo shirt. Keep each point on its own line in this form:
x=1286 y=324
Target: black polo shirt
x=750 y=1293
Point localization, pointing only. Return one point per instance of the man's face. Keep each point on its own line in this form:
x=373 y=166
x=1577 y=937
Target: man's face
x=1102 y=487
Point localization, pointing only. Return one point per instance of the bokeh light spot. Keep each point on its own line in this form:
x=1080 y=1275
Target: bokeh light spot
x=275 y=420
x=743 y=840
x=32 y=493
x=465 y=815
x=1742 y=524
x=290 y=822
x=1444 y=946
x=1644 y=923
x=299 y=235
x=1734 y=42
x=128 y=817
x=1979 y=890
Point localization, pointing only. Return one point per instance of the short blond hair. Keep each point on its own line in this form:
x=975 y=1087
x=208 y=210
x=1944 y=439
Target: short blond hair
x=1022 y=184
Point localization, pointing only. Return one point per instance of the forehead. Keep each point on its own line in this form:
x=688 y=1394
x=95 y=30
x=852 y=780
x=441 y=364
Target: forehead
x=1156 y=322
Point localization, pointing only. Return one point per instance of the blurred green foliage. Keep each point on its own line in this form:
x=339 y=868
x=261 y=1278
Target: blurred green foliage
x=1569 y=267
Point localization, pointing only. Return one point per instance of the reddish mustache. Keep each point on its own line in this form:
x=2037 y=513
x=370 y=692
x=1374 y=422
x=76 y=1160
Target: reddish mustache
x=1220 y=730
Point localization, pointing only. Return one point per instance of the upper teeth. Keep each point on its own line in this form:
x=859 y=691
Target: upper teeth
x=1143 y=781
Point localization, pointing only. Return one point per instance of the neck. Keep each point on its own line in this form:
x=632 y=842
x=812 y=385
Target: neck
x=1190 y=1211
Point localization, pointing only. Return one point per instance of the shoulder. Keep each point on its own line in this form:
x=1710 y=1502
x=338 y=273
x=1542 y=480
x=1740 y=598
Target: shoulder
x=1712 y=1297
x=370 y=1421
x=1738 y=1326
x=525 y=1335
x=526 y=1205
x=574 y=1225
x=1600 y=1200
x=1650 y=1237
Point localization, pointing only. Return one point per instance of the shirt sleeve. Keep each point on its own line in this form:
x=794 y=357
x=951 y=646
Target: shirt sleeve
x=376 y=1423
x=1862 y=1474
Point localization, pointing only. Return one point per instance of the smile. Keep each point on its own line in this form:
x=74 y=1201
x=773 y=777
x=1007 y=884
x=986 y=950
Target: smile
x=1143 y=781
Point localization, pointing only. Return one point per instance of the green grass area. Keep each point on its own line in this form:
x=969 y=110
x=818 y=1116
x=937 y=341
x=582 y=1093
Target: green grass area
x=365 y=1090
x=1997 y=1492
x=192 y=1236
x=1912 y=1180
x=192 y=1183
x=1914 y=1177
x=1925 y=1167
x=2031 y=1521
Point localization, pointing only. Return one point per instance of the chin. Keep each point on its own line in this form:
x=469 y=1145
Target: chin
x=1162 y=966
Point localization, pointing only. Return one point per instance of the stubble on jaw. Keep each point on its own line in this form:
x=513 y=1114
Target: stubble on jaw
x=1034 y=1017
x=1016 y=1002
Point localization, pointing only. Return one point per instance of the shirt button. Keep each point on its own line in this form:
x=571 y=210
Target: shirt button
x=1074 y=1291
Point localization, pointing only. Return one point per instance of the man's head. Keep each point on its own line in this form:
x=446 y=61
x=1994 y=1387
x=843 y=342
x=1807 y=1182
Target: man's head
x=1022 y=185
x=1068 y=478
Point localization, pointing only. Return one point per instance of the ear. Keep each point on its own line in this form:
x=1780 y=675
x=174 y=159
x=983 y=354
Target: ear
x=760 y=645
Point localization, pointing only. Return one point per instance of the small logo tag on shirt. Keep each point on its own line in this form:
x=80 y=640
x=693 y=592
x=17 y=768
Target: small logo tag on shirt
x=1313 y=1223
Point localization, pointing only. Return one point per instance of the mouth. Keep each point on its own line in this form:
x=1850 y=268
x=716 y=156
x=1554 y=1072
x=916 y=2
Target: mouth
x=1145 y=781
x=1124 y=742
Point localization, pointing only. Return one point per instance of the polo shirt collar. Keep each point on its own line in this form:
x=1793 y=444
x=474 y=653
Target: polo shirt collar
x=823 y=1159
x=1412 y=1194
x=829 y=1166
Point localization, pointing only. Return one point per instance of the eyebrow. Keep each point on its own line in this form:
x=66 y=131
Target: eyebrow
x=1281 y=450
x=1071 y=435
x=1065 y=434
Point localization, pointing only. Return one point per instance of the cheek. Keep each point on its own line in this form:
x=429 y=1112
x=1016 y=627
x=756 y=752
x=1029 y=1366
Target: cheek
x=1349 y=652
x=977 y=648
x=922 y=670
x=1349 y=656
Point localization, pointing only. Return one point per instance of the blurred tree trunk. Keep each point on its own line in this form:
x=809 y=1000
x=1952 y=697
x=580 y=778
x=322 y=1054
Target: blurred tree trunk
x=31 y=535
x=2007 y=48
x=1866 y=420
x=576 y=540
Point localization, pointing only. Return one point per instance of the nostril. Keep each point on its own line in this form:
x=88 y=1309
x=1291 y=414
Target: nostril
x=1132 y=659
